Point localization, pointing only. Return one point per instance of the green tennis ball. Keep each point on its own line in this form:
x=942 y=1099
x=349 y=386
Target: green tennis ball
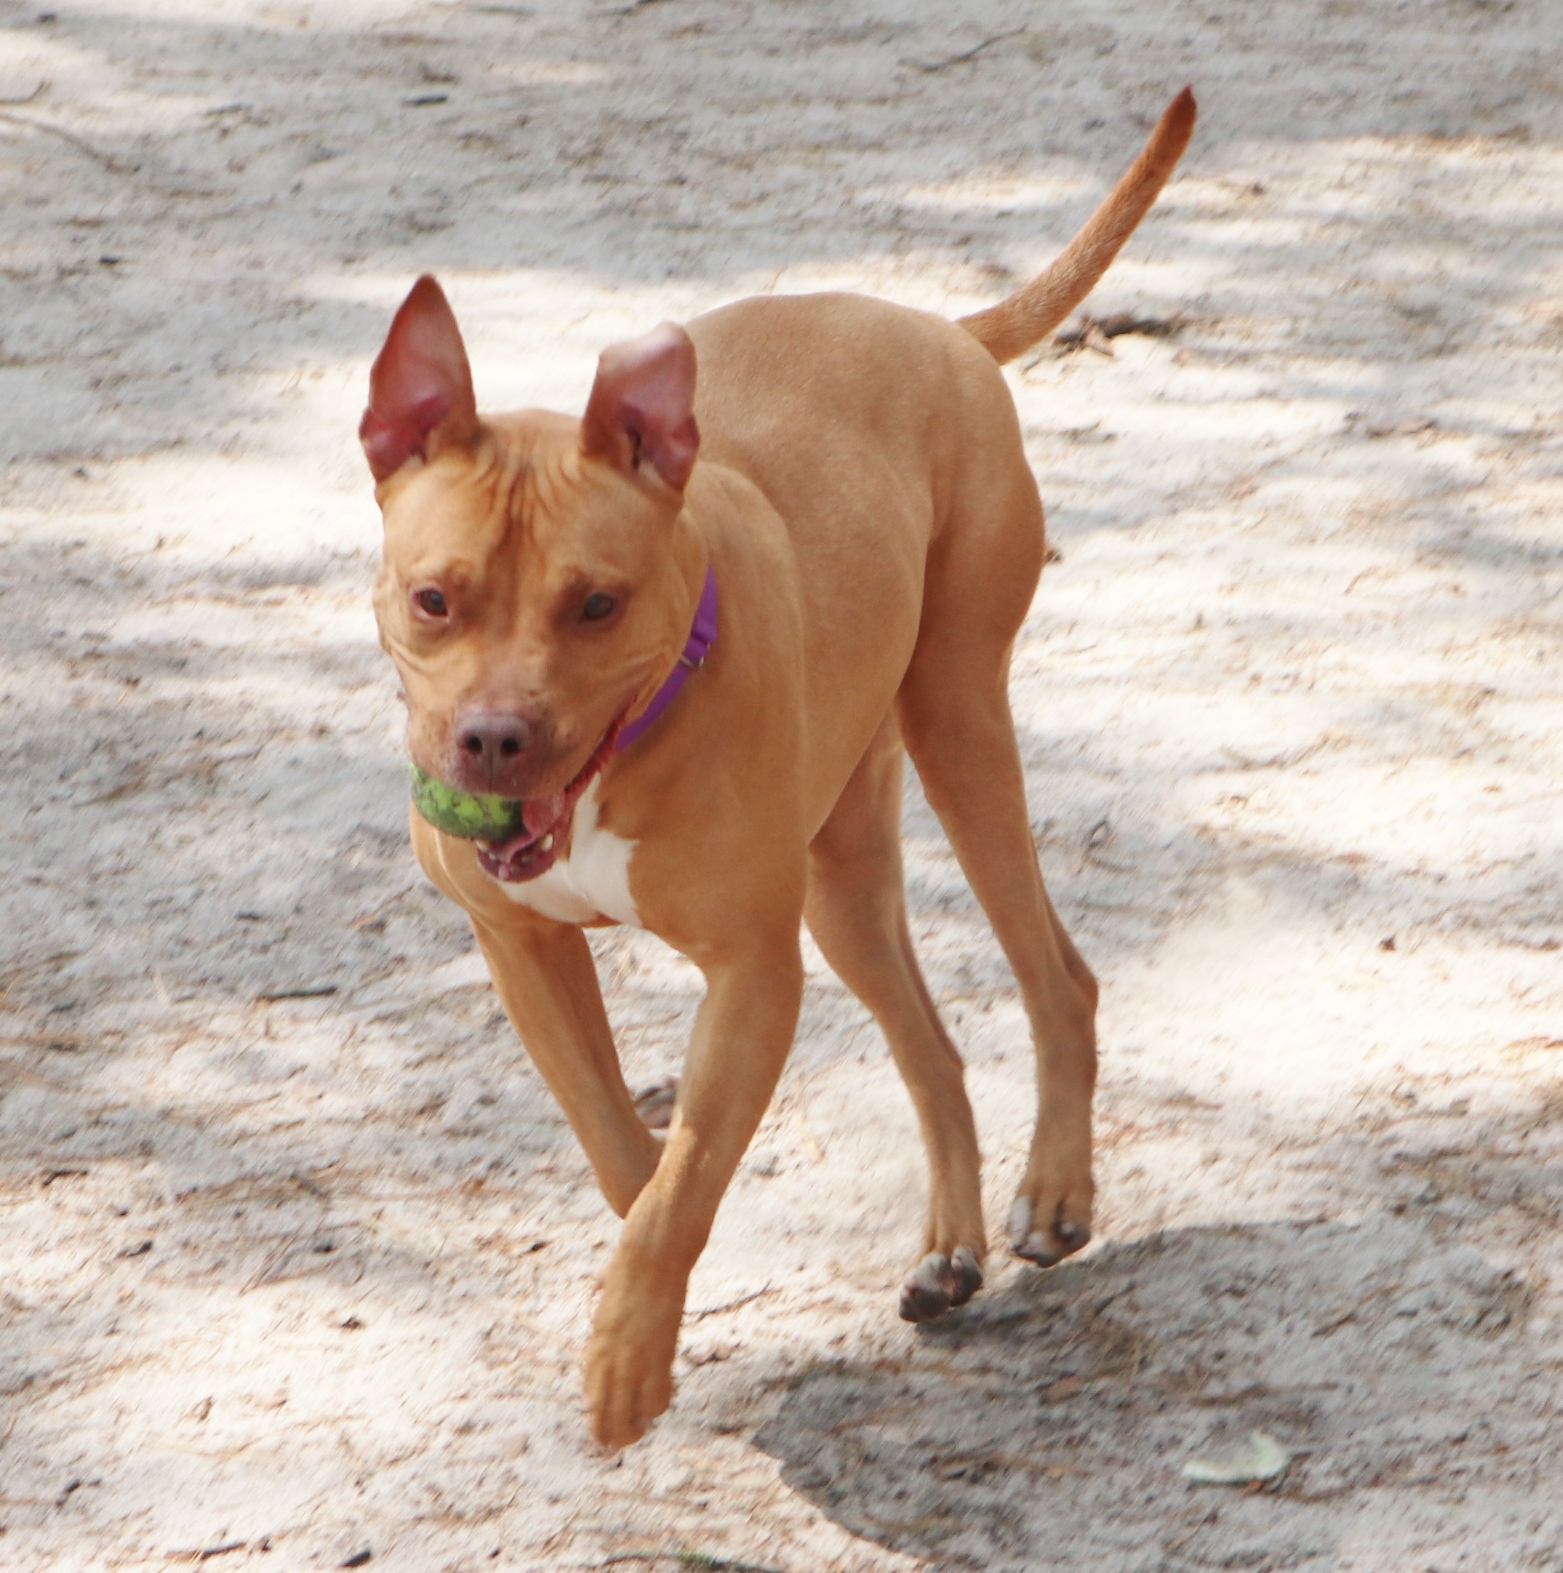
x=461 y=813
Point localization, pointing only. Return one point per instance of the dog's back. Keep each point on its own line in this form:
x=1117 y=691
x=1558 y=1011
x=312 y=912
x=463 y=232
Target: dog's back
x=877 y=432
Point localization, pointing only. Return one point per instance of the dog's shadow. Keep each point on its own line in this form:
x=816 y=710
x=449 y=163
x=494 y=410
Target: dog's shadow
x=1047 y=1424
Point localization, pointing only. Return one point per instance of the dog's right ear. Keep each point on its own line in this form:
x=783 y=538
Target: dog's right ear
x=420 y=389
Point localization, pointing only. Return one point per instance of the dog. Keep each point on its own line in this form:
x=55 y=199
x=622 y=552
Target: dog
x=692 y=634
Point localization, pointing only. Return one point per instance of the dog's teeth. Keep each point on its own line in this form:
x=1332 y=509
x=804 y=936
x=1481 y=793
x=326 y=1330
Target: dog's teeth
x=547 y=843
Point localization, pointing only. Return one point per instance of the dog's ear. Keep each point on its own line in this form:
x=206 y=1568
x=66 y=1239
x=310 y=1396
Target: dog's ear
x=421 y=384
x=642 y=406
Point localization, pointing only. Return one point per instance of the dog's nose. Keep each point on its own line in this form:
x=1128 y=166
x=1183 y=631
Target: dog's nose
x=489 y=740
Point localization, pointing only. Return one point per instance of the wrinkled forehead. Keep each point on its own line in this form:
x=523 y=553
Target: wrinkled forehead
x=524 y=493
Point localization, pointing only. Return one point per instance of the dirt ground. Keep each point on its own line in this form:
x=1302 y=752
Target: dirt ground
x=299 y=1257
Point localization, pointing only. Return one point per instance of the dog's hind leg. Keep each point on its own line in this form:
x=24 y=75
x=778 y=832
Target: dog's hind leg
x=856 y=910
x=955 y=717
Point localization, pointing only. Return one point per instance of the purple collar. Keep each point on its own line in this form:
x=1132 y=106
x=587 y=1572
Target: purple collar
x=701 y=637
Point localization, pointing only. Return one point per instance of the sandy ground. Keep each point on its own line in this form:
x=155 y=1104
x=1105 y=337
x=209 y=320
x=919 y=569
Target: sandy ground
x=291 y=1280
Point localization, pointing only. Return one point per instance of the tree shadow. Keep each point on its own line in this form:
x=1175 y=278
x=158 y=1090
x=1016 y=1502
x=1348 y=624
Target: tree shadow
x=205 y=749
x=223 y=224
x=1020 y=1428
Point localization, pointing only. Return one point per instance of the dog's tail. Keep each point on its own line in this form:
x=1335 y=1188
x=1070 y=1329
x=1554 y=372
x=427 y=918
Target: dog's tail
x=1034 y=310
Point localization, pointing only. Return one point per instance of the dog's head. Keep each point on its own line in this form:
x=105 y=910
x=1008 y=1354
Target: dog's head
x=540 y=574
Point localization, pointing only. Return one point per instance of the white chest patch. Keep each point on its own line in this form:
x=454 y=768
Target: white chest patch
x=594 y=881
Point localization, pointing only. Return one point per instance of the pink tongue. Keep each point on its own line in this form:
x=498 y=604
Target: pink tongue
x=541 y=814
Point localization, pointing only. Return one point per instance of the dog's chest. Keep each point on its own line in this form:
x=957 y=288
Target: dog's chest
x=594 y=881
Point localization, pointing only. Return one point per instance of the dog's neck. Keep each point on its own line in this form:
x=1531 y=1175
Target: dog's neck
x=702 y=635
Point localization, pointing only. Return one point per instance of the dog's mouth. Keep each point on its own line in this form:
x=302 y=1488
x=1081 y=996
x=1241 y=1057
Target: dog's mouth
x=547 y=820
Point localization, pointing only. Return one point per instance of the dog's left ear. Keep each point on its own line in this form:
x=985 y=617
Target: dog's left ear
x=420 y=389
x=642 y=408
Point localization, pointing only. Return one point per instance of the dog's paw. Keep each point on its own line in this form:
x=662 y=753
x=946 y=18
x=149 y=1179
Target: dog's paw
x=623 y=1399
x=629 y=1361
x=1046 y=1237
x=940 y=1283
x=654 y=1104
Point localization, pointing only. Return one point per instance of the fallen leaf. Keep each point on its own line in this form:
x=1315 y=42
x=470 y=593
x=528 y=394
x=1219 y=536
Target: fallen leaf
x=1260 y=1458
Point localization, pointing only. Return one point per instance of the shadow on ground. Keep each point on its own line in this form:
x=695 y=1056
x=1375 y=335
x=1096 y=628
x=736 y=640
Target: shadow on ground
x=1021 y=1427
x=175 y=240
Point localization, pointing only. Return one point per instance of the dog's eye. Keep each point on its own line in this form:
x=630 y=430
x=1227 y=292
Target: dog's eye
x=597 y=607
x=431 y=603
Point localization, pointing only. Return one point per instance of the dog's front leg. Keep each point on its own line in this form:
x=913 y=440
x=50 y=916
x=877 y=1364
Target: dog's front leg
x=742 y=1035
x=548 y=985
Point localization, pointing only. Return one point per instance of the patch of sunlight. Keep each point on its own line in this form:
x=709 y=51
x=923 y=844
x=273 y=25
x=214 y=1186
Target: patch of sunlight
x=264 y=15
x=554 y=73
x=995 y=194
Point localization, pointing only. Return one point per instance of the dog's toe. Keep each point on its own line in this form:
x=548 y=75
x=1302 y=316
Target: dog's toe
x=654 y=1104
x=939 y=1283
x=1037 y=1243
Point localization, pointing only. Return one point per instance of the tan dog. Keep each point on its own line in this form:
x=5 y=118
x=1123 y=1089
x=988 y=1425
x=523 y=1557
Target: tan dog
x=851 y=476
